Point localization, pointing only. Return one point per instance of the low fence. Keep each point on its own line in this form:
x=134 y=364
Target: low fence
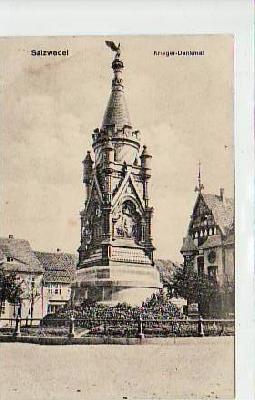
x=129 y=328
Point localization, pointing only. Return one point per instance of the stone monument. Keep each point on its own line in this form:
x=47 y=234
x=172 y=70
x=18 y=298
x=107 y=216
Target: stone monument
x=116 y=252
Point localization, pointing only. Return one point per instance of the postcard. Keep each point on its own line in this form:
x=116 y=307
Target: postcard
x=117 y=245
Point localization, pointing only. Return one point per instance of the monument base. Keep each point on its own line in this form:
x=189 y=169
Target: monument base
x=116 y=283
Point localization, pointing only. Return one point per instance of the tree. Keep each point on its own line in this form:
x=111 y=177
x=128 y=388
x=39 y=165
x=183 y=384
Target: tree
x=194 y=287
x=10 y=289
x=31 y=292
x=208 y=295
x=184 y=284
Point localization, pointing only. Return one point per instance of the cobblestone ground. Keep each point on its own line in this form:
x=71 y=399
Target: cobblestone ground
x=187 y=368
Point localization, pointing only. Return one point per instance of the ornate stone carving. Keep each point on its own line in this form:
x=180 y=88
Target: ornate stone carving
x=87 y=232
x=211 y=256
x=127 y=221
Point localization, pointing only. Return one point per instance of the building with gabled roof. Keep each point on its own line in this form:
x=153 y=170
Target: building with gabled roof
x=46 y=278
x=210 y=243
x=16 y=256
x=59 y=272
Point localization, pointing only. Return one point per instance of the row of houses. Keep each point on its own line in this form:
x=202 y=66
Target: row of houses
x=45 y=278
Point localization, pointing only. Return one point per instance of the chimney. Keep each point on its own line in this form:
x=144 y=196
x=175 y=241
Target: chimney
x=11 y=237
x=222 y=194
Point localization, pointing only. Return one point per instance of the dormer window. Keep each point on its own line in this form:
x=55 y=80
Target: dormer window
x=9 y=259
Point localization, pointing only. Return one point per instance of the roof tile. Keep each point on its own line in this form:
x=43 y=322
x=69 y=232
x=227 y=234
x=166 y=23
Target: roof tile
x=188 y=244
x=59 y=267
x=24 y=257
x=116 y=112
x=223 y=211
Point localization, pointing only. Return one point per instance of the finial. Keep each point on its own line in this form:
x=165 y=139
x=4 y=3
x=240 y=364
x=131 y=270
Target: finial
x=113 y=46
x=117 y=65
x=144 y=153
x=200 y=186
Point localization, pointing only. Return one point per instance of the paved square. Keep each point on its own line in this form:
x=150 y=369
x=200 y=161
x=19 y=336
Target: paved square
x=185 y=368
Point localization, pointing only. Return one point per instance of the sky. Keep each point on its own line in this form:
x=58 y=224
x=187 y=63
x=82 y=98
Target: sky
x=182 y=105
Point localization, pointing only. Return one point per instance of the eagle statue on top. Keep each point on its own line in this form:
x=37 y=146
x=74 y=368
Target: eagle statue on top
x=113 y=47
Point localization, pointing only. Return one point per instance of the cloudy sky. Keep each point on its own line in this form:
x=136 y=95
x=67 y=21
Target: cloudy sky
x=183 y=107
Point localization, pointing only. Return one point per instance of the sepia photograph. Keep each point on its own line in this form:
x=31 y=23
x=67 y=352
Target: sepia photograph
x=117 y=236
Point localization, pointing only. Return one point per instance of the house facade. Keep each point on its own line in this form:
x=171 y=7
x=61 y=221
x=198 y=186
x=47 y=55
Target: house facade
x=210 y=245
x=45 y=279
x=16 y=256
x=59 y=270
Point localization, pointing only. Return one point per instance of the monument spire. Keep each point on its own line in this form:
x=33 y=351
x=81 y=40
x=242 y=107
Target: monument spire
x=200 y=186
x=116 y=251
x=116 y=112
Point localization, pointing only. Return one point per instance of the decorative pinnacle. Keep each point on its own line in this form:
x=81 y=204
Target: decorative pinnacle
x=116 y=112
x=145 y=153
x=200 y=186
x=117 y=65
x=113 y=46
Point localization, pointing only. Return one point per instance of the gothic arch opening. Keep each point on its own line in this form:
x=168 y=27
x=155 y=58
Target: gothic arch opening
x=128 y=223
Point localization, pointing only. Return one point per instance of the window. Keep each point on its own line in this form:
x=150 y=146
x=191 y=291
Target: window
x=9 y=259
x=212 y=271
x=2 y=308
x=57 y=289
x=52 y=308
x=200 y=265
x=54 y=289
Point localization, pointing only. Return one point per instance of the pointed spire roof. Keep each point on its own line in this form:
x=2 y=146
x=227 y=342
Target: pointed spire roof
x=88 y=160
x=200 y=186
x=116 y=112
x=188 y=244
